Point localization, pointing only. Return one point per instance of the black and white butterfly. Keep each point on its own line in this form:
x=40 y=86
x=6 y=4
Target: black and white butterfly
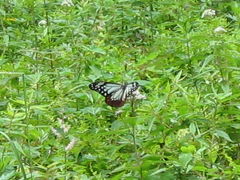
x=115 y=94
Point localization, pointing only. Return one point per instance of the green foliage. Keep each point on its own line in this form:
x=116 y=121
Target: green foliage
x=54 y=127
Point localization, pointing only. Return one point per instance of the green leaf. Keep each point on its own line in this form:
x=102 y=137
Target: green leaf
x=220 y=133
x=184 y=159
x=7 y=175
x=192 y=128
x=188 y=149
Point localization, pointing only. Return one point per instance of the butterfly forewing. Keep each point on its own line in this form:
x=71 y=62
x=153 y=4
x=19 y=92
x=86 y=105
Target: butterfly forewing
x=117 y=95
x=130 y=88
x=104 y=88
x=113 y=87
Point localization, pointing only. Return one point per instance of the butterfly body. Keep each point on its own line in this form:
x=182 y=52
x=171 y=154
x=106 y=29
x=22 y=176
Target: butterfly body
x=115 y=94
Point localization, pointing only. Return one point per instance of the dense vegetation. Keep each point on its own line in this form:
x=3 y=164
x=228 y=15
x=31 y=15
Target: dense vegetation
x=185 y=58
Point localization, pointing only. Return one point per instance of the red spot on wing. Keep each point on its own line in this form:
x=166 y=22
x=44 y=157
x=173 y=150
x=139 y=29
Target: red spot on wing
x=117 y=103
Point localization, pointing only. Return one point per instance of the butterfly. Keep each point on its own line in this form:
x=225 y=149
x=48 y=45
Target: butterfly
x=115 y=94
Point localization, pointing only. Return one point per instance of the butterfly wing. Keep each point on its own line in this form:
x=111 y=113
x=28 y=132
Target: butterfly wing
x=105 y=88
x=125 y=91
x=119 y=97
x=114 y=103
x=116 y=94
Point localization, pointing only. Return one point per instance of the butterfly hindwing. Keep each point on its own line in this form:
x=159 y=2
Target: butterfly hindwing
x=115 y=94
x=114 y=103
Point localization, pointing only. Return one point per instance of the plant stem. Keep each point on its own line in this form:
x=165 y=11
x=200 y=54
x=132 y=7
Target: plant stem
x=27 y=123
x=133 y=114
